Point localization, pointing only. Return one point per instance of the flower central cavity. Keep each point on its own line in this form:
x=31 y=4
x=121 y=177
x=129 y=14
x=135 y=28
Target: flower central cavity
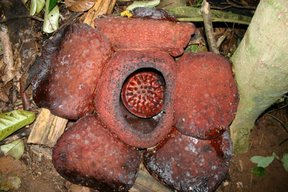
x=143 y=93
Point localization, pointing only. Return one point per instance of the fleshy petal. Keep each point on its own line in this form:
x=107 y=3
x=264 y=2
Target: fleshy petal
x=188 y=164
x=67 y=86
x=88 y=154
x=206 y=95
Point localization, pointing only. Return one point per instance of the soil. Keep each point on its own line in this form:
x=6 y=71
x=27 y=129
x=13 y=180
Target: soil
x=266 y=137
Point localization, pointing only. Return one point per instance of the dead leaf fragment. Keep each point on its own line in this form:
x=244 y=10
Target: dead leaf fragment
x=100 y=7
x=79 y=5
x=78 y=188
x=9 y=70
x=15 y=149
x=3 y=96
x=8 y=183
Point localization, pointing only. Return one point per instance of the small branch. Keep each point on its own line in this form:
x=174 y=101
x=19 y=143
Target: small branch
x=234 y=4
x=23 y=133
x=279 y=121
x=282 y=107
x=69 y=21
x=284 y=141
x=21 y=17
x=282 y=125
x=25 y=100
x=223 y=37
x=205 y=10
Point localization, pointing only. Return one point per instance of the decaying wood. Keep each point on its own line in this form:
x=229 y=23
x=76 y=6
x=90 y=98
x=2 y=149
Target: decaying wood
x=146 y=183
x=101 y=7
x=47 y=128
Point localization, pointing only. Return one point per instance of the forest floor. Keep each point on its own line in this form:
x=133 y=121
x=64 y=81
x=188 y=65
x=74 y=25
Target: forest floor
x=266 y=138
x=36 y=172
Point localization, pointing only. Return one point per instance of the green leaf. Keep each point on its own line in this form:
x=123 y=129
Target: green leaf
x=262 y=161
x=258 y=171
x=33 y=6
x=148 y=4
x=36 y=6
x=14 y=149
x=40 y=5
x=51 y=20
x=284 y=161
x=52 y=4
x=14 y=120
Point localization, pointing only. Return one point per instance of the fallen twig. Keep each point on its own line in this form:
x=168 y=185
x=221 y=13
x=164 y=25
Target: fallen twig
x=205 y=10
x=21 y=17
x=69 y=21
x=279 y=121
x=283 y=125
x=237 y=5
x=25 y=100
x=282 y=142
x=23 y=133
x=223 y=37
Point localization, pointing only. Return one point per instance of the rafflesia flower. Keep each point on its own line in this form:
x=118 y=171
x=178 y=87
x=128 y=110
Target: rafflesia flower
x=135 y=102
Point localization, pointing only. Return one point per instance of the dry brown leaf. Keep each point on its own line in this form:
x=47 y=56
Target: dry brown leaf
x=1 y=64
x=79 y=5
x=9 y=69
x=4 y=92
x=3 y=96
x=100 y=7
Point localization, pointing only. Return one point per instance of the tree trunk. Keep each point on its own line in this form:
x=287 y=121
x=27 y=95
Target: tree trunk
x=261 y=67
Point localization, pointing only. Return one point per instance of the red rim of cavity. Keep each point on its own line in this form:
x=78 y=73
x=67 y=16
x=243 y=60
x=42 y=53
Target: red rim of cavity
x=143 y=94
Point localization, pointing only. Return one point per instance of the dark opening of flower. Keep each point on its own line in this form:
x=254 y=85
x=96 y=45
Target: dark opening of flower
x=143 y=93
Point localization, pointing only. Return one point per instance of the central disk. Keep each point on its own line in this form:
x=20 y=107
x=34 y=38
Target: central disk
x=143 y=93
